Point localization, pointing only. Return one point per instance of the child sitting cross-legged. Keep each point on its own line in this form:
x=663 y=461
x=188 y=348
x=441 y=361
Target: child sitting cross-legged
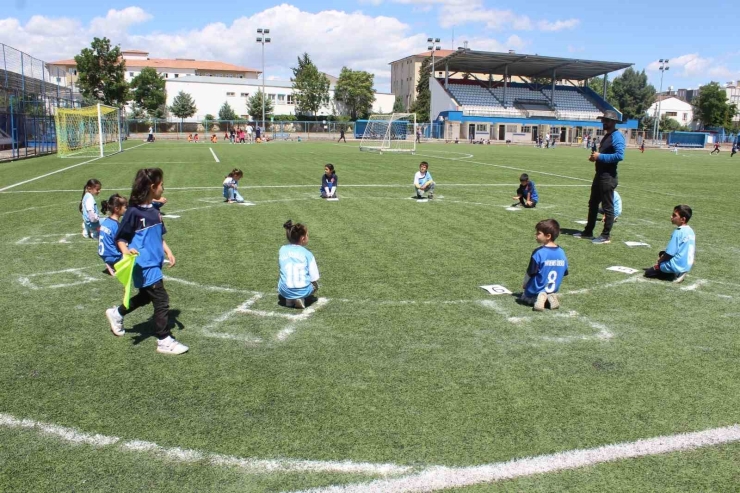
x=547 y=267
x=299 y=274
x=678 y=257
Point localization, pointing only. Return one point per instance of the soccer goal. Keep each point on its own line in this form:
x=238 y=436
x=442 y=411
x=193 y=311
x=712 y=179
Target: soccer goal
x=390 y=133
x=88 y=132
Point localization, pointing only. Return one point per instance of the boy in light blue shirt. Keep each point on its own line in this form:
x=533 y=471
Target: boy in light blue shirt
x=423 y=181
x=678 y=258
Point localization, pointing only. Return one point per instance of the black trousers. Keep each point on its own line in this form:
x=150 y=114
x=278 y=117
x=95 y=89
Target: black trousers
x=602 y=192
x=157 y=295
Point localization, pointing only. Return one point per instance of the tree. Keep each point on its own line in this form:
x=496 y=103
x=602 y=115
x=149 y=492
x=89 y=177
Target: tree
x=101 y=73
x=136 y=112
x=183 y=106
x=149 y=92
x=631 y=93
x=597 y=85
x=208 y=122
x=310 y=87
x=711 y=106
x=422 y=104
x=226 y=112
x=254 y=105
x=354 y=90
x=668 y=124
x=398 y=106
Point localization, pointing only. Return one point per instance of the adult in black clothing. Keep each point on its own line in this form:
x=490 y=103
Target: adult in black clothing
x=341 y=135
x=610 y=153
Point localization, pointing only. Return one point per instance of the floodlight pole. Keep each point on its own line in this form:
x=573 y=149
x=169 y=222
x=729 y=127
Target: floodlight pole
x=663 y=67
x=262 y=39
x=433 y=46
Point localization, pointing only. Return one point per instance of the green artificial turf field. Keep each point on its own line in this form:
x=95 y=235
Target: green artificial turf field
x=405 y=364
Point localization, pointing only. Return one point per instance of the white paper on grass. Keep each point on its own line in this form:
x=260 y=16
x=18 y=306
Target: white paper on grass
x=513 y=209
x=581 y=222
x=635 y=243
x=422 y=200
x=246 y=203
x=333 y=199
x=496 y=289
x=622 y=269
x=170 y=216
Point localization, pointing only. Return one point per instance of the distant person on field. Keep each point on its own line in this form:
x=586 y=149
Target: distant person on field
x=716 y=148
x=642 y=146
x=606 y=159
x=89 y=209
x=678 y=258
x=250 y=135
x=423 y=181
x=150 y=138
x=190 y=138
x=617 y=207
x=299 y=274
x=341 y=135
x=231 y=186
x=418 y=135
x=115 y=207
x=734 y=149
x=195 y=138
x=257 y=133
x=526 y=194
x=328 y=183
x=547 y=267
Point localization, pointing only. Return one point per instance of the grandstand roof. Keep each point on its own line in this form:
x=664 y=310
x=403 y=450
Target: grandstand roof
x=516 y=64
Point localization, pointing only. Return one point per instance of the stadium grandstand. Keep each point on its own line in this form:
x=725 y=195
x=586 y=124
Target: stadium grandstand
x=553 y=97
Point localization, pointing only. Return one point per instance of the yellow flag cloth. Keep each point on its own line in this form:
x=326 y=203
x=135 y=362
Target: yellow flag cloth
x=125 y=274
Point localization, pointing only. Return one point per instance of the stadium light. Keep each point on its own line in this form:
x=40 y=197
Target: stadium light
x=262 y=39
x=433 y=46
x=663 y=67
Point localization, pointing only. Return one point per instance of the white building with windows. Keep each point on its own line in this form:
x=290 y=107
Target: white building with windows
x=673 y=107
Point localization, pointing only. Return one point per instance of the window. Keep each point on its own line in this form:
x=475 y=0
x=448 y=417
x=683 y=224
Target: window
x=290 y=99
x=671 y=113
x=511 y=128
x=166 y=76
x=271 y=97
x=281 y=98
x=245 y=94
x=526 y=129
x=229 y=94
x=685 y=116
x=74 y=72
x=130 y=74
x=481 y=127
x=177 y=75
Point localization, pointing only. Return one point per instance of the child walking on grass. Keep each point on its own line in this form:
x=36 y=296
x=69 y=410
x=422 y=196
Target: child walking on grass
x=141 y=233
x=299 y=274
x=89 y=209
x=547 y=267
x=115 y=207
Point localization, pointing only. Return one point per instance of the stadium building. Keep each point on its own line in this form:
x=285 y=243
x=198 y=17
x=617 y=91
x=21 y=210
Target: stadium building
x=553 y=98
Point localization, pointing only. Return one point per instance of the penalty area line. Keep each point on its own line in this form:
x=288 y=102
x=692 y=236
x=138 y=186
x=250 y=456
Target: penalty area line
x=214 y=155
x=60 y=170
x=440 y=477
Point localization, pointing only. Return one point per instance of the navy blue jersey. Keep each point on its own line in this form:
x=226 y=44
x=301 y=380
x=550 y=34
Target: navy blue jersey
x=531 y=190
x=142 y=228
x=329 y=182
x=546 y=270
x=107 y=248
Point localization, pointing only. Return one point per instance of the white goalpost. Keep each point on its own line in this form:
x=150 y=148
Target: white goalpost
x=94 y=131
x=390 y=133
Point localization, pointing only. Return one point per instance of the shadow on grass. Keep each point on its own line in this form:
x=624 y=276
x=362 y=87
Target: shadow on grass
x=145 y=330
x=569 y=231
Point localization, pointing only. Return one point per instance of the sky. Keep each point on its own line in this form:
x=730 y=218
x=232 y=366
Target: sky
x=369 y=34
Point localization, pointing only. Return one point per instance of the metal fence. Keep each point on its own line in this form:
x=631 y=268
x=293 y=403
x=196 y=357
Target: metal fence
x=30 y=91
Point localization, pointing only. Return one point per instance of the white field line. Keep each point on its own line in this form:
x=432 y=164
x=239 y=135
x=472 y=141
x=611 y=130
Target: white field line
x=35 y=208
x=258 y=187
x=440 y=477
x=696 y=285
x=303 y=315
x=258 y=466
x=57 y=171
x=628 y=280
x=214 y=155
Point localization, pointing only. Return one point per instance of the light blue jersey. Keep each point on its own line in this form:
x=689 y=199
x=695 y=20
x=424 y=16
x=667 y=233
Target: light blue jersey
x=682 y=246
x=297 y=271
x=89 y=209
x=107 y=248
x=422 y=179
x=617 y=204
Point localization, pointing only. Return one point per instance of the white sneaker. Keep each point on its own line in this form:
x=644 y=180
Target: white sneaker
x=116 y=321
x=554 y=302
x=170 y=345
x=299 y=303
x=539 y=305
x=679 y=278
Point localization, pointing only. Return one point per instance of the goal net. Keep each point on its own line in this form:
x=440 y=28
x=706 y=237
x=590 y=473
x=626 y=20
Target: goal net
x=88 y=132
x=390 y=133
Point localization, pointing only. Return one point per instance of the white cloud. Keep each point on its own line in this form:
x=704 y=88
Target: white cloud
x=371 y=2
x=557 y=25
x=451 y=15
x=690 y=65
x=332 y=38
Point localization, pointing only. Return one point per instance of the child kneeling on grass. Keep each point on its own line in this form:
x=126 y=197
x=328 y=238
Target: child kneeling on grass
x=231 y=186
x=299 y=274
x=526 y=194
x=547 y=267
x=678 y=258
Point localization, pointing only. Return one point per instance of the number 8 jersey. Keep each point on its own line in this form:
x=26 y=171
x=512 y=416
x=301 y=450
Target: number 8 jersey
x=546 y=270
x=298 y=270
